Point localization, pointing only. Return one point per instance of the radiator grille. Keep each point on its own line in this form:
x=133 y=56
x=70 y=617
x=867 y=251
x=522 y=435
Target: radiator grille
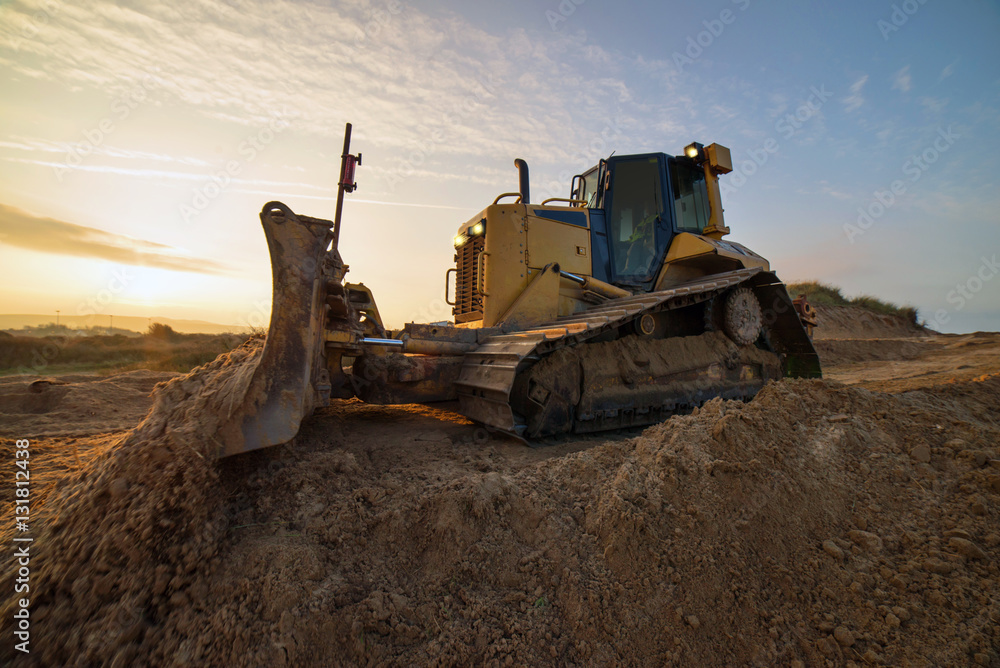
x=468 y=301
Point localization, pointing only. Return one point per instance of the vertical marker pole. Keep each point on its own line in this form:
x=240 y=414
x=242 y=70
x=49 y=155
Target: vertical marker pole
x=341 y=184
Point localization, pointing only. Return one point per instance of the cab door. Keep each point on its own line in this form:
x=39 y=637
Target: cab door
x=639 y=226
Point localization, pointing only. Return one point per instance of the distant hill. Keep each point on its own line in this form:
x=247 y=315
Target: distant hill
x=829 y=295
x=133 y=323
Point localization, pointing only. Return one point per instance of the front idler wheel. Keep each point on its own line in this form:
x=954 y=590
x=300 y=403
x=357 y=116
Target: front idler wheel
x=741 y=317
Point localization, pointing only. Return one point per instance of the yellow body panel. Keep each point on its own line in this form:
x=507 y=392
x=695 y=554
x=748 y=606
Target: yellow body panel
x=556 y=241
x=692 y=256
x=519 y=243
x=539 y=302
x=505 y=273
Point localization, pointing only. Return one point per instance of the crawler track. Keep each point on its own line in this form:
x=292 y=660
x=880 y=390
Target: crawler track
x=500 y=386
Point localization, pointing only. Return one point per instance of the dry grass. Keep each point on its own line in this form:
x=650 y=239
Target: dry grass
x=820 y=293
x=157 y=351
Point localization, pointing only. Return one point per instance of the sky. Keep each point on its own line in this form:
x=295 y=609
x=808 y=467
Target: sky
x=139 y=140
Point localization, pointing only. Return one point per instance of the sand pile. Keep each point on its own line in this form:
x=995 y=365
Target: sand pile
x=817 y=523
x=123 y=551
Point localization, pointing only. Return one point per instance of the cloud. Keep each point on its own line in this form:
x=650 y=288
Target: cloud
x=48 y=235
x=166 y=174
x=934 y=105
x=902 y=81
x=408 y=74
x=855 y=100
x=420 y=86
x=353 y=200
x=30 y=144
x=947 y=71
x=829 y=189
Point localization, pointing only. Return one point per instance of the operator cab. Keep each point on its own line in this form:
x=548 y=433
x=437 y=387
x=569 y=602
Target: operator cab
x=637 y=204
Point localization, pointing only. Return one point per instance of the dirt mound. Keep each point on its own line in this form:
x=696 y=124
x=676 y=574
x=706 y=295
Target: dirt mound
x=853 y=322
x=76 y=405
x=848 y=351
x=818 y=524
x=124 y=549
x=815 y=523
x=900 y=365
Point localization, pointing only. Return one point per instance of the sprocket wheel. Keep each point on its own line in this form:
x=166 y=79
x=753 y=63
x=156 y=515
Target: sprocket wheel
x=741 y=317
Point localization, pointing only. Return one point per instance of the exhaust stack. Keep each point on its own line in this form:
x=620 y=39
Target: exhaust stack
x=522 y=180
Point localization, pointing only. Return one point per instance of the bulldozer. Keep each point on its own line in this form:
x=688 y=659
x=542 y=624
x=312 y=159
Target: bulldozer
x=615 y=307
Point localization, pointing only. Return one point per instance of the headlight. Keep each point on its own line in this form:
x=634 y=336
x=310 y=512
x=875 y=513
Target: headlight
x=477 y=229
x=695 y=151
x=460 y=239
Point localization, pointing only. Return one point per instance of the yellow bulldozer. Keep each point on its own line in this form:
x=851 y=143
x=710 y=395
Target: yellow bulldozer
x=615 y=307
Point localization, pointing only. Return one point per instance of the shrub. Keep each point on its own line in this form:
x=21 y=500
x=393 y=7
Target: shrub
x=158 y=330
x=820 y=293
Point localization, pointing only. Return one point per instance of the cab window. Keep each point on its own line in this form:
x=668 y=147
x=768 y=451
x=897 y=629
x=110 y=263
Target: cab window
x=690 y=197
x=589 y=189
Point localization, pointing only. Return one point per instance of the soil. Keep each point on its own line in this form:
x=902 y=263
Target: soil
x=77 y=405
x=853 y=322
x=853 y=520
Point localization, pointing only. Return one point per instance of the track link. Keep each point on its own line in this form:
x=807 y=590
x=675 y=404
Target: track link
x=486 y=384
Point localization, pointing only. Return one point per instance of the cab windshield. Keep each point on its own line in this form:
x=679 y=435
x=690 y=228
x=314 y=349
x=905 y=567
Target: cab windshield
x=636 y=202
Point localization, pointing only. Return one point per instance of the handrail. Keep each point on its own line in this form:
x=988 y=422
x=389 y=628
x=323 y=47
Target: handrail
x=447 y=284
x=500 y=197
x=578 y=202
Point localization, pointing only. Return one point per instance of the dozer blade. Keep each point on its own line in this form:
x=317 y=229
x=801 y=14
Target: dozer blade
x=785 y=331
x=290 y=378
